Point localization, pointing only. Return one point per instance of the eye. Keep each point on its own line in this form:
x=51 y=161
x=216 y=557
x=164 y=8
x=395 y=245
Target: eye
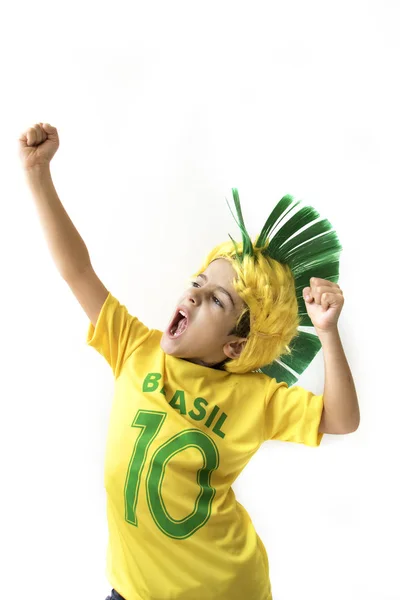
x=214 y=297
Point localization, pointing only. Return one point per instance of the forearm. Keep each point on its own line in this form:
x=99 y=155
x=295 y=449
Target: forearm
x=66 y=246
x=341 y=407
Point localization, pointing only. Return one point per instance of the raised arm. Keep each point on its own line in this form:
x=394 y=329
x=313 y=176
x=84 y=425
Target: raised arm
x=68 y=250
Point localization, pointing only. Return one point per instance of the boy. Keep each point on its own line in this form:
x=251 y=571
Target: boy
x=194 y=403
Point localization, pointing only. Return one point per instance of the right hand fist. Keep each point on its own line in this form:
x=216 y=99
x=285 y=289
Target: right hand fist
x=38 y=145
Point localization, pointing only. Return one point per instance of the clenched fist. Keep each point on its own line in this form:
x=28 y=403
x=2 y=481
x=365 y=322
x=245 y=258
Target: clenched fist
x=38 y=145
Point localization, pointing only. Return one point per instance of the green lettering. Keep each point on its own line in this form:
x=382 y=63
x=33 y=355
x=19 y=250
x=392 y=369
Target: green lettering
x=179 y=394
x=150 y=384
x=202 y=411
x=218 y=425
x=212 y=416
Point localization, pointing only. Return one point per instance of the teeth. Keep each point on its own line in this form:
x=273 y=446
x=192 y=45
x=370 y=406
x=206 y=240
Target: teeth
x=181 y=312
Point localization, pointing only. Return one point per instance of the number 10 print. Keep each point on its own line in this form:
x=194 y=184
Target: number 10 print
x=150 y=422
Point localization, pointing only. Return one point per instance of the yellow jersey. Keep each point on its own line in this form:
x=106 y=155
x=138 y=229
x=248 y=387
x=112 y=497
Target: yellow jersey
x=179 y=435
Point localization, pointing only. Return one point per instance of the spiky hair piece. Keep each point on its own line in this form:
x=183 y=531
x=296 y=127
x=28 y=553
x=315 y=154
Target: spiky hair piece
x=312 y=252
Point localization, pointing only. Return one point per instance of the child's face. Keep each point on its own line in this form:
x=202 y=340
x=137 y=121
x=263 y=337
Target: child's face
x=211 y=317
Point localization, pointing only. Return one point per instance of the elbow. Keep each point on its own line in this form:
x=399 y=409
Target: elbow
x=352 y=428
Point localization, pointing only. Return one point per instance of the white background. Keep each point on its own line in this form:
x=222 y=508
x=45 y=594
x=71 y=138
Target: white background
x=162 y=108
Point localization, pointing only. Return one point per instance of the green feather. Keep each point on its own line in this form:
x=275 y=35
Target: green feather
x=304 y=348
x=275 y=218
x=247 y=243
x=279 y=372
x=297 y=221
x=236 y=248
x=313 y=252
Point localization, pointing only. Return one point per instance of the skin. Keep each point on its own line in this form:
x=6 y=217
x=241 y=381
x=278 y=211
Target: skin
x=205 y=342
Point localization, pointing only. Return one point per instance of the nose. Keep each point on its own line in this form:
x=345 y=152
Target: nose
x=194 y=295
x=192 y=298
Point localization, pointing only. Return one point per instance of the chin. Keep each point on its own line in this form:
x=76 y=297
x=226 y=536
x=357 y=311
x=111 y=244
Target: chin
x=167 y=345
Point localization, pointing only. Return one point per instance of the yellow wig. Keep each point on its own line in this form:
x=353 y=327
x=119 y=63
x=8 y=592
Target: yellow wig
x=270 y=276
x=268 y=291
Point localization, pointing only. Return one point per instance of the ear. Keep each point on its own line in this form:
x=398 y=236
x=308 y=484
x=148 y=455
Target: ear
x=234 y=349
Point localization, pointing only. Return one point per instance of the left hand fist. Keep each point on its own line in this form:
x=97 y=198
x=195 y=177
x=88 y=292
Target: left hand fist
x=325 y=303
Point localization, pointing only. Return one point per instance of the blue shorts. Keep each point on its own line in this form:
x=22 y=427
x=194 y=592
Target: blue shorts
x=114 y=596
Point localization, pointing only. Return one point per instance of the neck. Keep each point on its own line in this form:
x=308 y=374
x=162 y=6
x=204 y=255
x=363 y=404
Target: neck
x=211 y=366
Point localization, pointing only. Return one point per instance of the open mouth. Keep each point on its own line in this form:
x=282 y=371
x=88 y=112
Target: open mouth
x=178 y=325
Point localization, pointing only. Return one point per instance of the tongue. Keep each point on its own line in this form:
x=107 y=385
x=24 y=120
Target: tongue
x=182 y=325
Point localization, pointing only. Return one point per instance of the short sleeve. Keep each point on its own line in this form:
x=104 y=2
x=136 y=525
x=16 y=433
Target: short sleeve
x=117 y=334
x=292 y=414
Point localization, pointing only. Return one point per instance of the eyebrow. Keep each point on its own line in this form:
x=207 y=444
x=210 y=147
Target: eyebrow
x=221 y=289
